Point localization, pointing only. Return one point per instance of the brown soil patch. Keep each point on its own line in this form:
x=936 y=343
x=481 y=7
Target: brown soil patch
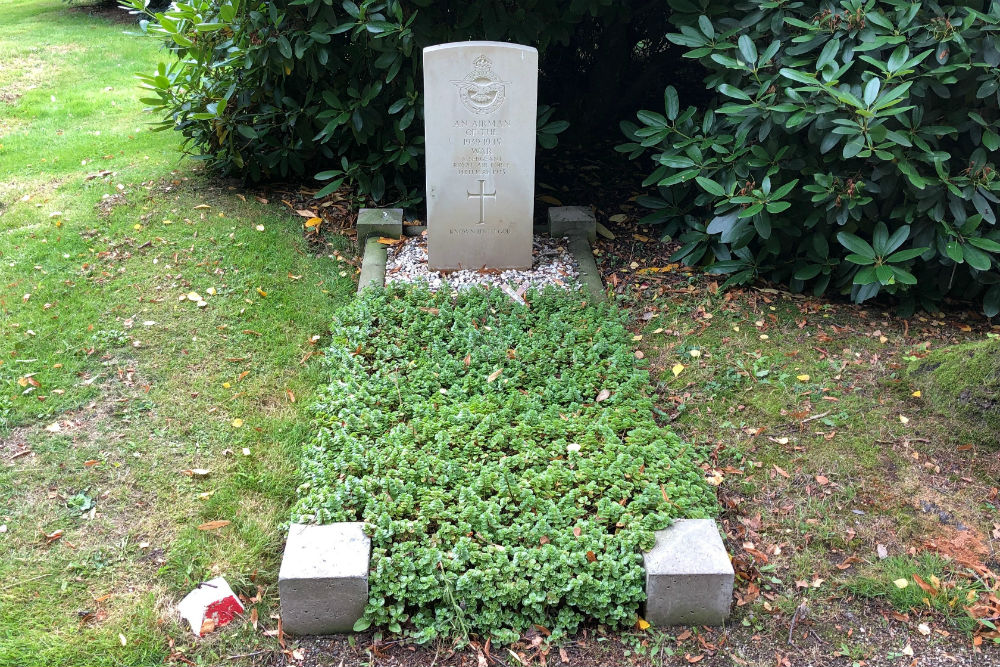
x=109 y=203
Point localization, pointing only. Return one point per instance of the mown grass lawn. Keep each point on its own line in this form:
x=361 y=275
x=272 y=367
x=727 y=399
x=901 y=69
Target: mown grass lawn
x=112 y=383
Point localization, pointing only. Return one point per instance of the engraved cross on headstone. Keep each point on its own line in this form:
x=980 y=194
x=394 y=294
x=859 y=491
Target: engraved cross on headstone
x=482 y=195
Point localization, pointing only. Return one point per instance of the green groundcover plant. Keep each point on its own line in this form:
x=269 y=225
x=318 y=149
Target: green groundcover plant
x=852 y=145
x=504 y=458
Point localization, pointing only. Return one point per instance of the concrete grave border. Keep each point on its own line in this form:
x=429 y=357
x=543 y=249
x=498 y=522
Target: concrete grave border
x=576 y=223
x=323 y=583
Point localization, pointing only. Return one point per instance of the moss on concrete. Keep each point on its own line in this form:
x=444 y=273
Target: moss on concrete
x=963 y=381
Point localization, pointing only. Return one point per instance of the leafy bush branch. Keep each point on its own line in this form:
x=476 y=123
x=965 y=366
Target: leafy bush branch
x=852 y=145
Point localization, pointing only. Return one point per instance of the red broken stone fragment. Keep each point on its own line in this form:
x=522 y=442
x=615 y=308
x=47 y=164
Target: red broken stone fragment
x=210 y=606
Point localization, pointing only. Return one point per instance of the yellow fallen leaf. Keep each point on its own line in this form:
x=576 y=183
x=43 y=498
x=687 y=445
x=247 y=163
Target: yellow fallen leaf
x=261 y=292
x=643 y=624
x=677 y=369
x=226 y=385
x=193 y=296
x=904 y=420
x=916 y=394
x=211 y=291
x=637 y=337
x=137 y=226
x=200 y=207
x=901 y=583
x=259 y=228
x=802 y=378
x=237 y=422
x=695 y=353
x=313 y=222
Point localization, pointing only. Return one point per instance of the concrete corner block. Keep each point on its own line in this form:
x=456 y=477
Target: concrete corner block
x=689 y=577
x=323 y=581
x=572 y=220
x=379 y=222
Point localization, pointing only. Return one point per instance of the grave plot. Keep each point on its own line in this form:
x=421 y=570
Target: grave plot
x=505 y=460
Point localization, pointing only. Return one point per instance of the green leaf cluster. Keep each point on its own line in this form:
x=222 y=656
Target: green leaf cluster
x=498 y=491
x=325 y=88
x=851 y=145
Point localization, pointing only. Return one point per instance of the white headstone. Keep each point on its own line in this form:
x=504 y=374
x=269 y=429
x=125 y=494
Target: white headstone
x=480 y=107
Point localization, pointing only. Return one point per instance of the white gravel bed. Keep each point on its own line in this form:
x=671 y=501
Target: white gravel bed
x=552 y=264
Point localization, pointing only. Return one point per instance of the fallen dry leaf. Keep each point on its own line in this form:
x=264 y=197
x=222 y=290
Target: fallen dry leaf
x=214 y=525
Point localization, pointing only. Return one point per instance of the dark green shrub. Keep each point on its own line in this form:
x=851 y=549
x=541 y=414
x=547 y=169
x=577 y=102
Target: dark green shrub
x=505 y=459
x=851 y=145
x=280 y=89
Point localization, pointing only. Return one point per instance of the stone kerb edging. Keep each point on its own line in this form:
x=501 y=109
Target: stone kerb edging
x=323 y=582
x=576 y=223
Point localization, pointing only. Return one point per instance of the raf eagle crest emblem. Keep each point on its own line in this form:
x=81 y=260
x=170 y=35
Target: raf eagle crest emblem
x=482 y=91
